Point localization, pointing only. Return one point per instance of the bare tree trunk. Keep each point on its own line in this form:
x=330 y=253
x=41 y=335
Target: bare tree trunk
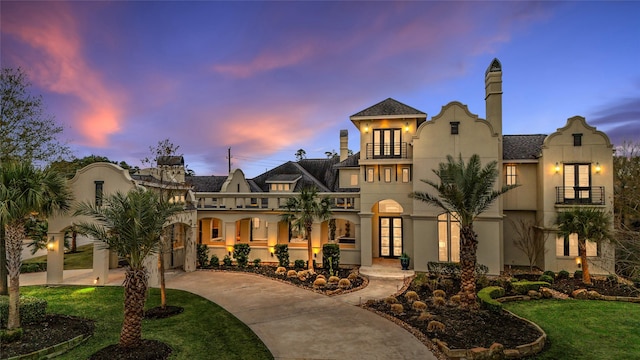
x=135 y=295
x=4 y=288
x=74 y=246
x=468 y=247
x=309 y=250
x=14 y=237
x=582 y=248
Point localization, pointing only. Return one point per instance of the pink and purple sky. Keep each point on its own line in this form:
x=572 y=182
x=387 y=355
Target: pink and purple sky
x=268 y=78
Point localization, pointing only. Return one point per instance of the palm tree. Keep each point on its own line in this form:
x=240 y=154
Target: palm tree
x=131 y=225
x=465 y=191
x=588 y=223
x=302 y=210
x=25 y=192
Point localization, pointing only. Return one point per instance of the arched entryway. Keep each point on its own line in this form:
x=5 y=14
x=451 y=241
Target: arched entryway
x=387 y=229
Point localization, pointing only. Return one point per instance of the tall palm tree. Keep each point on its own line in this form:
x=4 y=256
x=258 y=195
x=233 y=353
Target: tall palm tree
x=302 y=210
x=465 y=191
x=131 y=225
x=25 y=192
x=589 y=223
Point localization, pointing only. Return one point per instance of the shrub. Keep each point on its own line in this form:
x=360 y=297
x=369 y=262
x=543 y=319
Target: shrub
x=202 y=254
x=320 y=276
x=425 y=316
x=214 y=262
x=33 y=267
x=411 y=296
x=550 y=274
x=298 y=264
x=303 y=275
x=8 y=336
x=319 y=283
x=282 y=253
x=344 y=284
x=281 y=270
x=563 y=274
x=439 y=301
x=522 y=287
x=32 y=310
x=577 y=274
x=487 y=296
x=390 y=300
x=419 y=305
x=292 y=274
x=443 y=268
x=333 y=279
x=435 y=326
x=256 y=262
x=241 y=254
x=226 y=261
x=352 y=276
x=546 y=278
x=439 y=293
x=455 y=299
x=481 y=270
x=331 y=257
x=612 y=279
x=397 y=309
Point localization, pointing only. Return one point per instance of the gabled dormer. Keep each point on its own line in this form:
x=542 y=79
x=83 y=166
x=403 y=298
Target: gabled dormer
x=283 y=182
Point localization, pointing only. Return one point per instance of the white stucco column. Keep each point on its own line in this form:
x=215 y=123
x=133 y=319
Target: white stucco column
x=190 y=255
x=55 y=258
x=153 y=275
x=366 y=252
x=100 y=263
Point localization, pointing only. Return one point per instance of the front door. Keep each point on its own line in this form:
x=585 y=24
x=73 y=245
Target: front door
x=390 y=236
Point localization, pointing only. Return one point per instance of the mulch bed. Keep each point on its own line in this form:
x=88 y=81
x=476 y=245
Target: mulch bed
x=55 y=329
x=147 y=350
x=331 y=289
x=160 y=313
x=601 y=285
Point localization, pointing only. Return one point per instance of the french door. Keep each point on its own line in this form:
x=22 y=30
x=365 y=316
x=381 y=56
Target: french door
x=390 y=236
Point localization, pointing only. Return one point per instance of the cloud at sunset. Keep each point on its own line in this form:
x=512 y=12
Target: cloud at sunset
x=54 y=58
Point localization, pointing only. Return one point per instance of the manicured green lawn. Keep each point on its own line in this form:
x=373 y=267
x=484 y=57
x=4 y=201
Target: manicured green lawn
x=82 y=259
x=203 y=331
x=585 y=329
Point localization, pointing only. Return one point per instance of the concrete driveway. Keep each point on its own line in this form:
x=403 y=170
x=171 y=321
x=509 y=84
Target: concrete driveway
x=299 y=324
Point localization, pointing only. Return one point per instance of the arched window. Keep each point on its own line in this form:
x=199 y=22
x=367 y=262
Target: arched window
x=448 y=238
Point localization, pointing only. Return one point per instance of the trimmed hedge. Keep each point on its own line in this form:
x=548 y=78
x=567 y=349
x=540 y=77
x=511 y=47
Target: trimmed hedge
x=33 y=267
x=523 y=287
x=331 y=258
x=282 y=252
x=487 y=296
x=32 y=310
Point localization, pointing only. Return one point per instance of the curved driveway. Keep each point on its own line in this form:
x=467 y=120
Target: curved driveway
x=299 y=324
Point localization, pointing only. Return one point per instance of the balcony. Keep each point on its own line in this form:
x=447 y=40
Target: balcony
x=270 y=201
x=580 y=195
x=384 y=151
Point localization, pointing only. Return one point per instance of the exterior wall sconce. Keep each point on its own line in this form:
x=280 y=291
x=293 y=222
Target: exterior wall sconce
x=406 y=127
x=557 y=168
x=598 y=168
x=366 y=127
x=579 y=262
x=95 y=281
x=229 y=249
x=50 y=246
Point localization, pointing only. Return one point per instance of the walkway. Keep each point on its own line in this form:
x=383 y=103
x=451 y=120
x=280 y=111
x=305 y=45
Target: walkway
x=293 y=323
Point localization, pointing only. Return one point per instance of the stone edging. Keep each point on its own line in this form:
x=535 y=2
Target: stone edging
x=53 y=351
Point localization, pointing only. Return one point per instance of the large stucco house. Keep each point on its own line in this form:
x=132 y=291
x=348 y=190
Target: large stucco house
x=374 y=216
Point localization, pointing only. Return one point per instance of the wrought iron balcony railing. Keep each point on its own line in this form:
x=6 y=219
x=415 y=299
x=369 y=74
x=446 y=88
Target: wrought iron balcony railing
x=586 y=195
x=387 y=151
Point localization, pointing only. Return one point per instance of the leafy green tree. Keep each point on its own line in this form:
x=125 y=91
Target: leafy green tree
x=26 y=192
x=301 y=154
x=131 y=225
x=27 y=133
x=588 y=223
x=626 y=186
x=465 y=191
x=69 y=167
x=302 y=210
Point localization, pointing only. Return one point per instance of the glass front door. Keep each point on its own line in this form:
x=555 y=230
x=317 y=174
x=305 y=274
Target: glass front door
x=390 y=236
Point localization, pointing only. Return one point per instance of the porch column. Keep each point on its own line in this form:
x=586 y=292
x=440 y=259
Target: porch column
x=230 y=236
x=55 y=258
x=315 y=242
x=151 y=264
x=366 y=252
x=190 y=255
x=100 y=264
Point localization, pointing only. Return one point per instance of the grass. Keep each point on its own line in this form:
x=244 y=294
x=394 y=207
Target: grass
x=82 y=259
x=585 y=329
x=203 y=331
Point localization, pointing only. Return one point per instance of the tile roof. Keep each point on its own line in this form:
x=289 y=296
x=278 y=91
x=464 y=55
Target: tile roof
x=206 y=183
x=521 y=147
x=283 y=178
x=351 y=161
x=170 y=160
x=389 y=107
x=313 y=172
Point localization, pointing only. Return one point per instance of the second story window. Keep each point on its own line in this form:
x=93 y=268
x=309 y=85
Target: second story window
x=405 y=175
x=99 y=192
x=577 y=139
x=386 y=143
x=370 y=174
x=387 y=174
x=354 y=179
x=455 y=127
x=510 y=173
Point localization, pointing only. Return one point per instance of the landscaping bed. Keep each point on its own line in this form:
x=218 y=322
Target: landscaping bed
x=603 y=286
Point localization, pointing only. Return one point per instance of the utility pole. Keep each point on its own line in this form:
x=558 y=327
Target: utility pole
x=229 y=157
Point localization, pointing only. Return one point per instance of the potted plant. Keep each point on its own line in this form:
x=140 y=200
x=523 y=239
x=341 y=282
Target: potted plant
x=404 y=261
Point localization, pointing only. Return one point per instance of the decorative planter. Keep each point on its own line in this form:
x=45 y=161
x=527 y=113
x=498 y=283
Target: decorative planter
x=404 y=262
